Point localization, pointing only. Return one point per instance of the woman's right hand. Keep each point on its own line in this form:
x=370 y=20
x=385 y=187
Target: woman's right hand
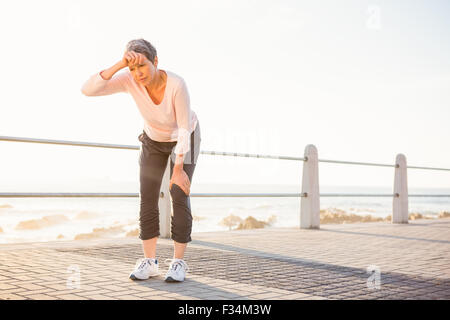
x=131 y=58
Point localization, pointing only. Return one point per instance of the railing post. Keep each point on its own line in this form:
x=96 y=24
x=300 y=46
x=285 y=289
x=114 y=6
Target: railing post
x=310 y=204
x=165 y=205
x=400 y=202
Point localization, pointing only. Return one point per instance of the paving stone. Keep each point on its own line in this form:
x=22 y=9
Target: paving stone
x=12 y=296
x=245 y=264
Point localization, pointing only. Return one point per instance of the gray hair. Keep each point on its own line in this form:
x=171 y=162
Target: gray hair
x=144 y=47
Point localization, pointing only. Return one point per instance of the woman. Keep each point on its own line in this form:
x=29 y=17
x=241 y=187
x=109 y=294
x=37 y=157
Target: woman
x=171 y=129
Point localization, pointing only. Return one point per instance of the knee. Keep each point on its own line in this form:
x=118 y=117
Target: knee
x=177 y=193
x=181 y=206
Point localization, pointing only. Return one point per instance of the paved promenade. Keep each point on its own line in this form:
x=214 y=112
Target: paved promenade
x=413 y=261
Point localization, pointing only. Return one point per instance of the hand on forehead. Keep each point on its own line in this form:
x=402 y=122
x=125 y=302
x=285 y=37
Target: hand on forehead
x=136 y=58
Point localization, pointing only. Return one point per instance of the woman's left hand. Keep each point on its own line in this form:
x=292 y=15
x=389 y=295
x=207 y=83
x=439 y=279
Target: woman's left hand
x=181 y=179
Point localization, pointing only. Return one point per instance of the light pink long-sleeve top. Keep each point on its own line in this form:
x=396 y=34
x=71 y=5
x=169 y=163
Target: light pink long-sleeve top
x=171 y=120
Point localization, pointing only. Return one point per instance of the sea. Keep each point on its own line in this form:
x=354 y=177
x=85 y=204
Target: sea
x=60 y=219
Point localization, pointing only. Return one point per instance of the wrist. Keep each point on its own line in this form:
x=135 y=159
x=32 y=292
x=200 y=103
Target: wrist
x=121 y=65
x=178 y=167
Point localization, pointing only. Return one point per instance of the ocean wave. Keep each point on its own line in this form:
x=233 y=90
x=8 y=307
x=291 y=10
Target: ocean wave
x=440 y=215
x=230 y=221
x=132 y=233
x=100 y=233
x=247 y=223
x=197 y=218
x=44 y=222
x=252 y=223
x=444 y=214
x=84 y=215
x=336 y=215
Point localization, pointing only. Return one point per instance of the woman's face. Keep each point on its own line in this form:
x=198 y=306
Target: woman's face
x=143 y=71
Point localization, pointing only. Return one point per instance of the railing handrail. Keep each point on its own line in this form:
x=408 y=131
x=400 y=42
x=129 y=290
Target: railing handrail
x=310 y=196
x=199 y=195
x=221 y=153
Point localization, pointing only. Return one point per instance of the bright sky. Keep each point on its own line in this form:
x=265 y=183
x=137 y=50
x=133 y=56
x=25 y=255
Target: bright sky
x=362 y=82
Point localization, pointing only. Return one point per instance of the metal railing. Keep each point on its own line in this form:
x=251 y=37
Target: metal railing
x=309 y=215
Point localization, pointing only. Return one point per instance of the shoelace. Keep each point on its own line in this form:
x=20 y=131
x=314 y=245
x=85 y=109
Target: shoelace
x=143 y=263
x=175 y=264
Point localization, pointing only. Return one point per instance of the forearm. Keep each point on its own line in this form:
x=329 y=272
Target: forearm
x=108 y=73
x=183 y=116
x=178 y=166
x=105 y=82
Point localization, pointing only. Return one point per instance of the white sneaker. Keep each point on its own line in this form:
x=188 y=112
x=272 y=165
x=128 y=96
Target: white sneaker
x=177 y=270
x=144 y=269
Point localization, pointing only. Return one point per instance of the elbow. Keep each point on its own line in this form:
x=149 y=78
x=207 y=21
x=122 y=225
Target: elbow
x=86 y=92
